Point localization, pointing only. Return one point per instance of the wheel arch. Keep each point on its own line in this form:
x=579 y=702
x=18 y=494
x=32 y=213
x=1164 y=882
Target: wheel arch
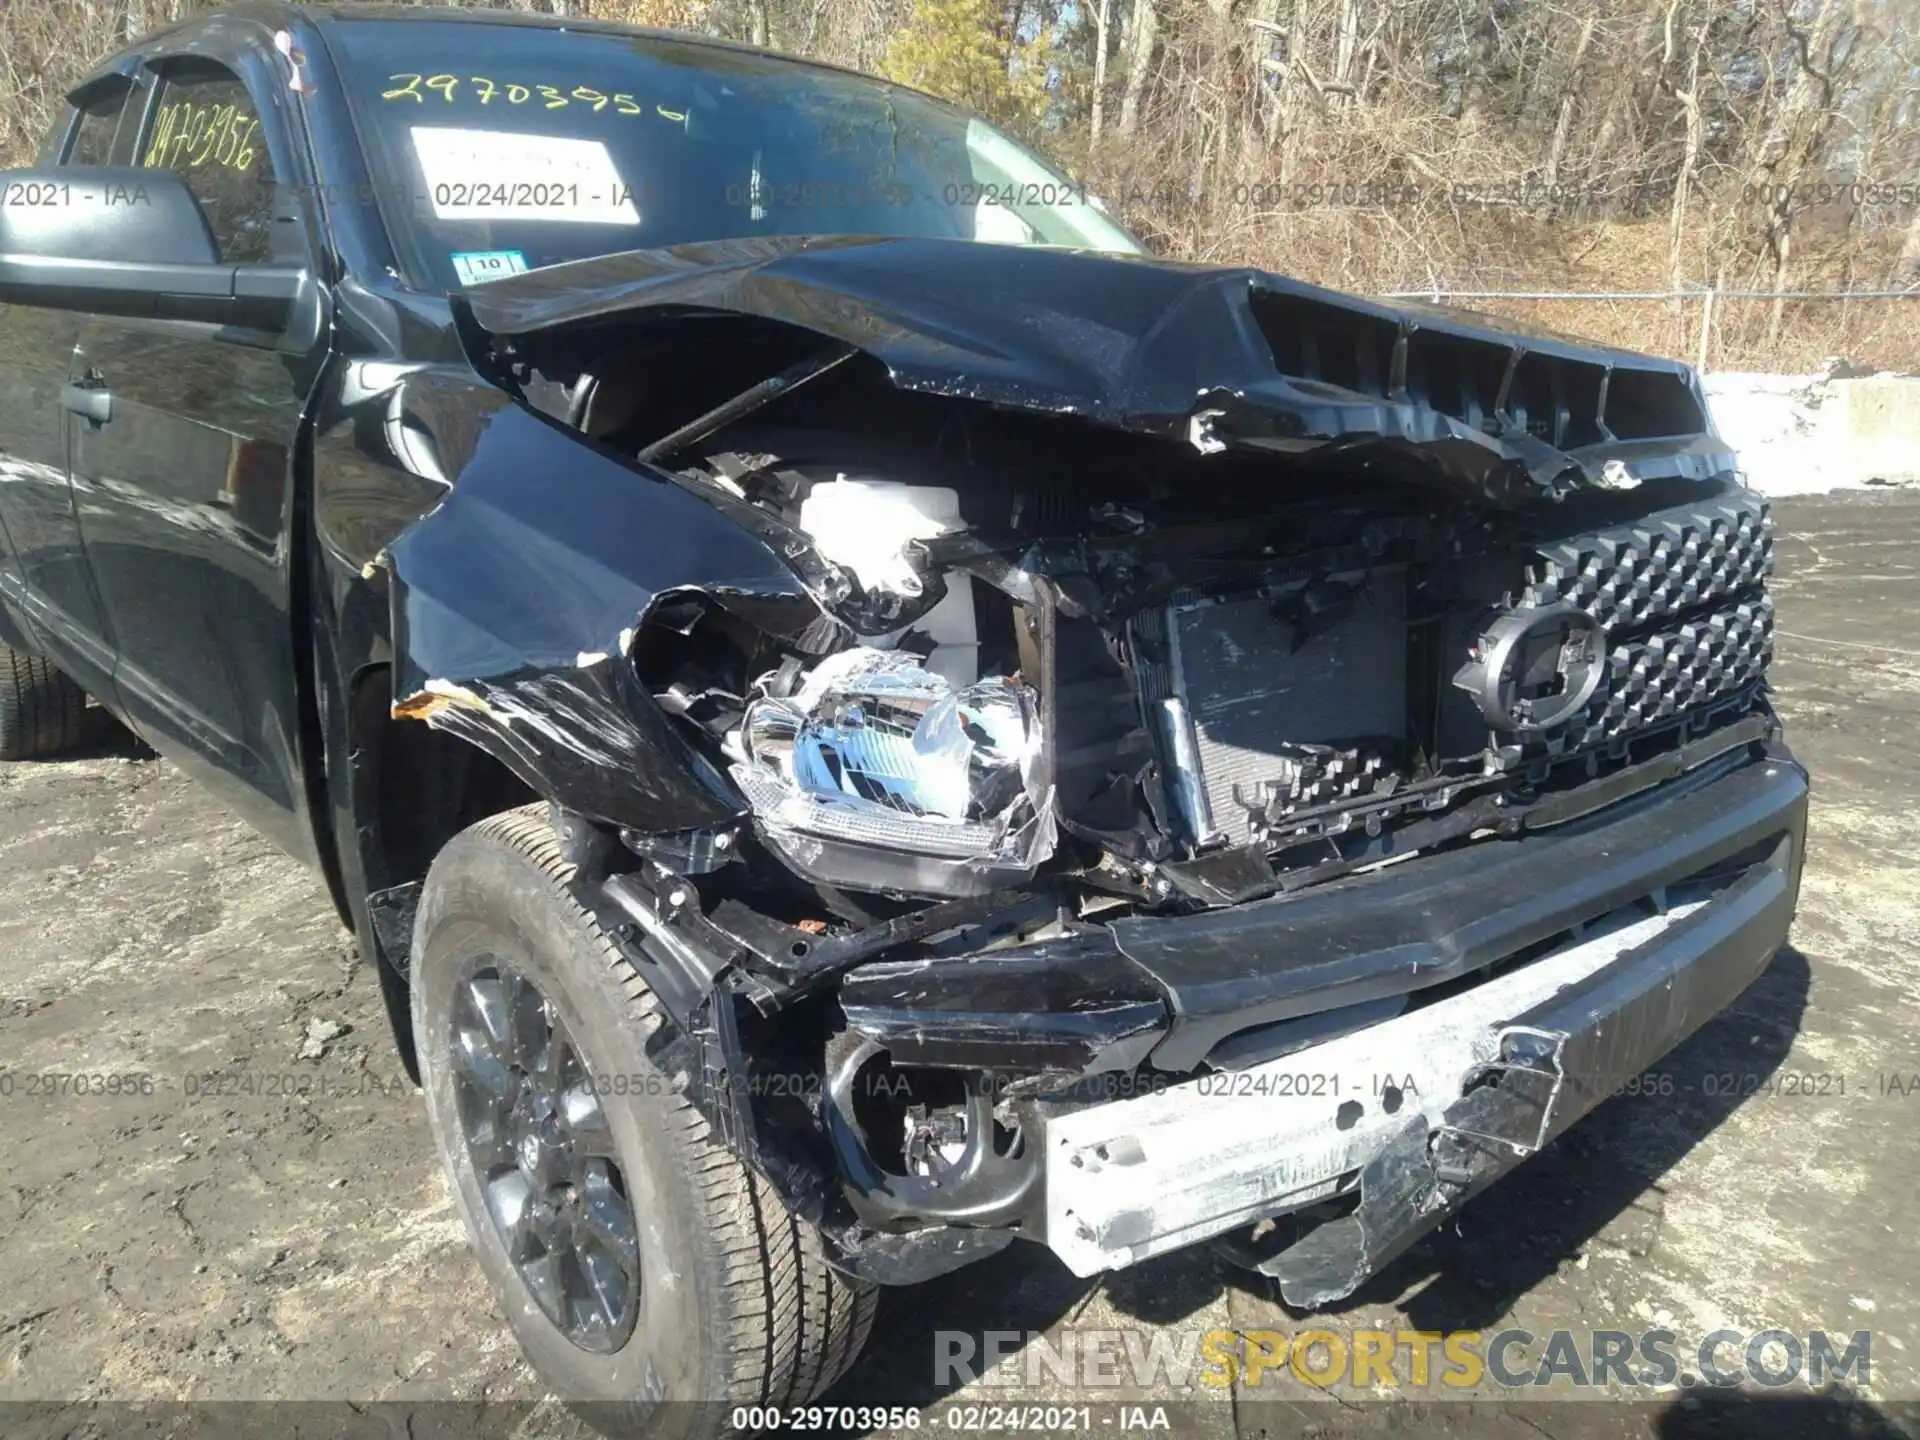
x=409 y=790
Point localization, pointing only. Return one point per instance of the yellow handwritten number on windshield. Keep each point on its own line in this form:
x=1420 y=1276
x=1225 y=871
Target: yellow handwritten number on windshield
x=407 y=85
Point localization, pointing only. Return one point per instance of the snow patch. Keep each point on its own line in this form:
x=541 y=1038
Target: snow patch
x=1810 y=434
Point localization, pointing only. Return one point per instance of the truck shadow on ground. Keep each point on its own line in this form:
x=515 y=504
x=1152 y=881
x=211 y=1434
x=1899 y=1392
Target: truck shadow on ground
x=1696 y=1415
x=1600 y=1183
x=102 y=737
x=1711 y=1416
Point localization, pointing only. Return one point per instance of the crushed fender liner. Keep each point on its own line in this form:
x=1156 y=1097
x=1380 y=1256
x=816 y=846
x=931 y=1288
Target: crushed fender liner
x=1412 y=1116
x=515 y=601
x=714 y=1062
x=1220 y=359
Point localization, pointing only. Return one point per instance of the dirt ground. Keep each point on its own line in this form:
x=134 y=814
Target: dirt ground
x=196 y=1241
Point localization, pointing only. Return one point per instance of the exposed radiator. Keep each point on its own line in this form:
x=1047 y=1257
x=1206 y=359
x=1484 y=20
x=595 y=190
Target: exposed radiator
x=1247 y=703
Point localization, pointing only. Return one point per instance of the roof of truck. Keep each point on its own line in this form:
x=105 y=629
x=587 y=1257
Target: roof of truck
x=277 y=13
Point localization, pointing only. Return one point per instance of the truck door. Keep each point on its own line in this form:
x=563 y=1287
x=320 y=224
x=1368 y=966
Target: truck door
x=44 y=580
x=186 y=491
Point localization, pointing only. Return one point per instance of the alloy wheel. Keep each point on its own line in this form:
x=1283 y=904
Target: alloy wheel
x=544 y=1156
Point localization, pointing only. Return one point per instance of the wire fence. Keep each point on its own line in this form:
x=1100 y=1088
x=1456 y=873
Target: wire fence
x=1888 y=346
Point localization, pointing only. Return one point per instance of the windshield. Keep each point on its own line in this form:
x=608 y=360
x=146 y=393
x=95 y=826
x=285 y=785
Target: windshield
x=499 y=149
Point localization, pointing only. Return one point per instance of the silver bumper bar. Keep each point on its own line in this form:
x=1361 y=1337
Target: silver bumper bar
x=1400 y=1109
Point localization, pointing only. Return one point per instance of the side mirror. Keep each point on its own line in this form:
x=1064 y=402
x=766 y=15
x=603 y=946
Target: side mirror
x=122 y=240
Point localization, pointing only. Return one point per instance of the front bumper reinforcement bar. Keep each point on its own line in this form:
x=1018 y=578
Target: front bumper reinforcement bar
x=1425 y=1110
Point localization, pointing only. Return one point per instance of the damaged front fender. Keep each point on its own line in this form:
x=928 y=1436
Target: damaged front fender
x=516 y=601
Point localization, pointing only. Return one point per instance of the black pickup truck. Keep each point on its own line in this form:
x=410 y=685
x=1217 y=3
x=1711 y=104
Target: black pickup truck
x=864 y=717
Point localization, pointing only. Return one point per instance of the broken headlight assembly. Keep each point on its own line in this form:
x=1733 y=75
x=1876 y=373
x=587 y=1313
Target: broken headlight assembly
x=875 y=772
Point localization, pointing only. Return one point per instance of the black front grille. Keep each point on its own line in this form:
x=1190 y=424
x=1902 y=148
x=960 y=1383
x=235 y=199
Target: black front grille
x=1664 y=564
x=1678 y=670
x=1259 y=718
x=1681 y=596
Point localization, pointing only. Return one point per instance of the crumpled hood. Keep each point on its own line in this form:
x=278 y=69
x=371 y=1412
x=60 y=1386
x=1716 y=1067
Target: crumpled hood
x=1222 y=358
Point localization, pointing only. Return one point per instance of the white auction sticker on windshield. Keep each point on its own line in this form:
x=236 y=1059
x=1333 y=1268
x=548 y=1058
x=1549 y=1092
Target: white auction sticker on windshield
x=506 y=175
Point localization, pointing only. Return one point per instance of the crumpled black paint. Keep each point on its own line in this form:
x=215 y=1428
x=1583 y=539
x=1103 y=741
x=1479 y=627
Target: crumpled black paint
x=515 y=602
x=514 y=605
x=1137 y=344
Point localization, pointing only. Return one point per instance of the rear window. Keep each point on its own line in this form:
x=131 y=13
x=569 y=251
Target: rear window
x=497 y=149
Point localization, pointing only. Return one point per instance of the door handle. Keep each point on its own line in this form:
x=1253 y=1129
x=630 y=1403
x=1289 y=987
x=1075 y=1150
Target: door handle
x=90 y=402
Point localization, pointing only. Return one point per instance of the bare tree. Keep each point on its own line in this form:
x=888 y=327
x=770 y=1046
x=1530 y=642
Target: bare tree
x=1563 y=122
x=1141 y=35
x=1099 y=67
x=1906 y=266
x=1689 y=98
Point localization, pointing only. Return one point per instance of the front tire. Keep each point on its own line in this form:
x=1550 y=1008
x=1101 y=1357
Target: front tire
x=41 y=709
x=517 y=994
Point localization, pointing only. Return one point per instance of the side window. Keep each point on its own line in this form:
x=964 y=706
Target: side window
x=206 y=129
x=49 y=152
x=97 y=108
x=99 y=118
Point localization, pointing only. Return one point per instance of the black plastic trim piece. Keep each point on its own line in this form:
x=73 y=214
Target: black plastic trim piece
x=1073 y=1005
x=1434 y=918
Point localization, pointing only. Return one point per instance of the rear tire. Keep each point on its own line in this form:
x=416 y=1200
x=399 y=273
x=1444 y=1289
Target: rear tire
x=41 y=710
x=735 y=1303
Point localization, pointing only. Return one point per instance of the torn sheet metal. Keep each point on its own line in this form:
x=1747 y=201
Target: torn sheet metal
x=1217 y=358
x=516 y=601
